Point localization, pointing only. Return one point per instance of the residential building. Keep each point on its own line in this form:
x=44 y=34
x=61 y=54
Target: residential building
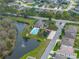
x=71 y=32
x=66 y=49
x=59 y=56
x=40 y=24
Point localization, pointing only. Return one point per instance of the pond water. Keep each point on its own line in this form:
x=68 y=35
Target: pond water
x=22 y=46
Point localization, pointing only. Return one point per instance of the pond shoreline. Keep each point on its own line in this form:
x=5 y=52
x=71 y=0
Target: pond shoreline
x=19 y=51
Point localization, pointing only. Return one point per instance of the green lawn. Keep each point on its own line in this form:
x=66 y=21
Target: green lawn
x=38 y=51
x=77 y=52
x=76 y=44
x=24 y=20
x=52 y=26
x=57 y=46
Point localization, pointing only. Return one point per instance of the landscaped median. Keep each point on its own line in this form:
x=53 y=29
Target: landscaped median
x=57 y=46
x=37 y=53
x=77 y=53
x=55 y=49
x=76 y=45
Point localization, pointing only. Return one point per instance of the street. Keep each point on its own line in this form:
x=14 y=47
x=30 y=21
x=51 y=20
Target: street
x=56 y=20
x=52 y=42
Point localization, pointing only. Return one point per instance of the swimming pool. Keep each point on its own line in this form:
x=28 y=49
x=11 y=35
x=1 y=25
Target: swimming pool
x=34 y=31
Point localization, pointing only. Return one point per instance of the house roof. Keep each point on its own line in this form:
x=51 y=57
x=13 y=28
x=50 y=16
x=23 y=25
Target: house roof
x=69 y=37
x=71 y=32
x=68 y=41
x=39 y=24
x=51 y=35
x=59 y=56
x=66 y=50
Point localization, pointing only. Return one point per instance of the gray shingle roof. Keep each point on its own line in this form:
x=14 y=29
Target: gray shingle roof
x=39 y=24
x=71 y=32
x=67 y=41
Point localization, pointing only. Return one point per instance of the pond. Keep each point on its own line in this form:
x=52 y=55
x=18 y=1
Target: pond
x=22 y=46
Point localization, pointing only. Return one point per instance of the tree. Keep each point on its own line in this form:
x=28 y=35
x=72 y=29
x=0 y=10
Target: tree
x=7 y=37
x=58 y=15
x=66 y=15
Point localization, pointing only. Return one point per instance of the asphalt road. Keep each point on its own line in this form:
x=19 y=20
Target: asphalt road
x=43 y=18
x=56 y=20
x=52 y=42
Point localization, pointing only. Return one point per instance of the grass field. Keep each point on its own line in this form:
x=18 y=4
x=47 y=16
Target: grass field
x=24 y=20
x=57 y=46
x=77 y=52
x=37 y=53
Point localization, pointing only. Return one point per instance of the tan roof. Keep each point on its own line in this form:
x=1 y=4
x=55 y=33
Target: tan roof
x=39 y=24
x=51 y=35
